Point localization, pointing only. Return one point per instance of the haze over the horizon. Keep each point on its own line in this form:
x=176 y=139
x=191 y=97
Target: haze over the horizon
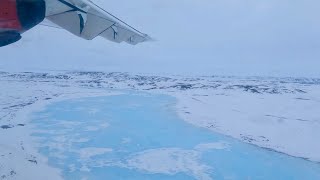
x=249 y=37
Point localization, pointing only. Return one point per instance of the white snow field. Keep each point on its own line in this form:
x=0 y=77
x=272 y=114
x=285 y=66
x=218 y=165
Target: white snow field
x=280 y=114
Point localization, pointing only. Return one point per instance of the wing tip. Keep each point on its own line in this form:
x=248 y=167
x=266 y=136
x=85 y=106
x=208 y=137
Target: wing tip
x=149 y=38
x=141 y=39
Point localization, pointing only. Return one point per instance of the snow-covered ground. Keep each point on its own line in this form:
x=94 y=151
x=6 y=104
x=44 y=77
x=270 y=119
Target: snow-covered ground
x=280 y=114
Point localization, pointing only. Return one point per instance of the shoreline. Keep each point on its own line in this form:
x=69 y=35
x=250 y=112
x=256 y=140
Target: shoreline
x=276 y=122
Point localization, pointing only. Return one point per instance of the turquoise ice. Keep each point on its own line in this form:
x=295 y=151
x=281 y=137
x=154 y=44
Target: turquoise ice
x=140 y=136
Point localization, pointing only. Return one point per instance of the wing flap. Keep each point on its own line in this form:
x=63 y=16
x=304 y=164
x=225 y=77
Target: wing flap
x=117 y=34
x=95 y=25
x=68 y=20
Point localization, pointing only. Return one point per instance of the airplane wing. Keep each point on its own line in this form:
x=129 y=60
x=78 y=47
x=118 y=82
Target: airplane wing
x=85 y=19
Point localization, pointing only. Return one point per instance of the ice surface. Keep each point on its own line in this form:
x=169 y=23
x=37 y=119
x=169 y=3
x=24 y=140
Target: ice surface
x=160 y=145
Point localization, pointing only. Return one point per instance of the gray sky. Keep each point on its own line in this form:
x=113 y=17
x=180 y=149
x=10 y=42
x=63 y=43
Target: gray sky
x=234 y=37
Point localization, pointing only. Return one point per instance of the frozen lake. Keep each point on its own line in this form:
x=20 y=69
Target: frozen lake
x=139 y=136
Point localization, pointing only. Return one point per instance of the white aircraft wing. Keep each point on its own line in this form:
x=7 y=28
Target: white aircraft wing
x=85 y=19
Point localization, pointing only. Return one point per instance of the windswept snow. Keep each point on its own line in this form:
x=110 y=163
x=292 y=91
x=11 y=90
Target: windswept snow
x=170 y=161
x=212 y=146
x=87 y=153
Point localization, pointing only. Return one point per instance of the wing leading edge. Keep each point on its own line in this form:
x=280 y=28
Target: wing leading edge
x=85 y=19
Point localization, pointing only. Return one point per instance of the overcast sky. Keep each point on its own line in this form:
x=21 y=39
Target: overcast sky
x=234 y=37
